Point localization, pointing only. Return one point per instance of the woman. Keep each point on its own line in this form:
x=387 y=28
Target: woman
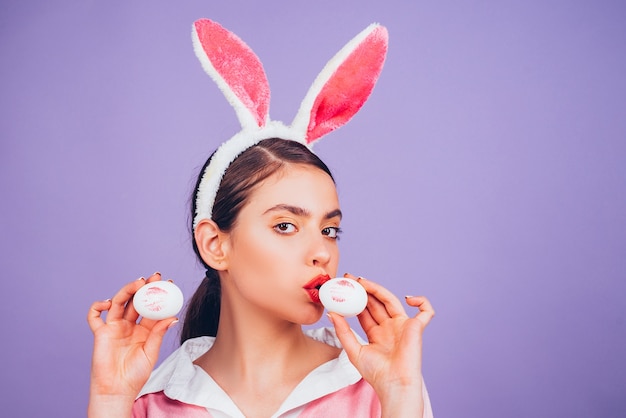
x=266 y=231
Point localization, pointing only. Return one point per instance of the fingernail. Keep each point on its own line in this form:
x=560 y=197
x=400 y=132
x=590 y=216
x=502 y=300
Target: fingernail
x=408 y=296
x=156 y=272
x=170 y=280
x=360 y=278
x=330 y=317
x=174 y=322
x=107 y=300
x=141 y=278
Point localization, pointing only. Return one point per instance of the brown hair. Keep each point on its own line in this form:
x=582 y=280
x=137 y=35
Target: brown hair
x=250 y=168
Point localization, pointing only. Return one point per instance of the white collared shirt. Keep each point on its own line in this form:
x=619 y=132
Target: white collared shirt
x=178 y=384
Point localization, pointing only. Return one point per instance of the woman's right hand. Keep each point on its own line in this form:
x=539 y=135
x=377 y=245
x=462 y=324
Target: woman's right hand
x=125 y=351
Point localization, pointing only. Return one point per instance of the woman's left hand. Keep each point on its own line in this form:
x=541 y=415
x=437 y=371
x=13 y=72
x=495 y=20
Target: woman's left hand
x=392 y=361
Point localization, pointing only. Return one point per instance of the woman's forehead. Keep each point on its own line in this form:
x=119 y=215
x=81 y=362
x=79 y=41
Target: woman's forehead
x=300 y=186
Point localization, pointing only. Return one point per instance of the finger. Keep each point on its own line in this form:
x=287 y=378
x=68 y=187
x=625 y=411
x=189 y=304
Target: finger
x=148 y=323
x=155 y=337
x=94 y=316
x=366 y=320
x=130 y=314
x=346 y=337
x=155 y=277
x=121 y=298
x=426 y=313
x=375 y=308
x=389 y=301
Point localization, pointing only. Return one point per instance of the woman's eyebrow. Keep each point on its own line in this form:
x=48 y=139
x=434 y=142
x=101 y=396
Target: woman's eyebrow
x=298 y=211
x=333 y=214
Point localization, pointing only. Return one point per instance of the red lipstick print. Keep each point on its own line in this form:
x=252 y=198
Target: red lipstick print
x=313 y=287
x=340 y=296
x=154 y=298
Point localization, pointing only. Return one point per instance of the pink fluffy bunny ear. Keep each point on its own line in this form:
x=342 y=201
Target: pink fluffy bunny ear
x=236 y=70
x=344 y=84
x=335 y=96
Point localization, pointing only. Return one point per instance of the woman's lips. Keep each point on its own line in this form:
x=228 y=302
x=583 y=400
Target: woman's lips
x=313 y=287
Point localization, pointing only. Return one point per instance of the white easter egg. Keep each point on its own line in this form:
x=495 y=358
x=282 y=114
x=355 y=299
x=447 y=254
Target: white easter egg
x=158 y=300
x=343 y=296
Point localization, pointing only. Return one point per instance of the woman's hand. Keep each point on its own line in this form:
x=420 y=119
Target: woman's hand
x=125 y=352
x=392 y=361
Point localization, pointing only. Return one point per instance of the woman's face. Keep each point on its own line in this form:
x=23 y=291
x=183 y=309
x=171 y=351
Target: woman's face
x=284 y=238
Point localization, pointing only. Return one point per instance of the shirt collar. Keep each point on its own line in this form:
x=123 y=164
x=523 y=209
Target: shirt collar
x=181 y=380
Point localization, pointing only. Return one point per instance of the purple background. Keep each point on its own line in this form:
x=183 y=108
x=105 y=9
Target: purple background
x=487 y=171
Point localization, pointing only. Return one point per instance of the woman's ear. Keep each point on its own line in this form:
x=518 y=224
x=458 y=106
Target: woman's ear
x=212 y=244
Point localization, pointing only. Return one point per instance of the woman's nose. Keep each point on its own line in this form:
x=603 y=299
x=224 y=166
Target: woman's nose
x=319 y=252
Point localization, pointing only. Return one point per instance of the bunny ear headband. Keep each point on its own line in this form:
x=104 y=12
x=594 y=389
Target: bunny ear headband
x=335 y=96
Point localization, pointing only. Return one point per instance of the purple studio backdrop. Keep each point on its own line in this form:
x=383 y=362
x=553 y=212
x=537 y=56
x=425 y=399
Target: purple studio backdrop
x=487 y=171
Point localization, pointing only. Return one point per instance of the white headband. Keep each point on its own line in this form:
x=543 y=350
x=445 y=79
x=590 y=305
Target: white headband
x=336 y=95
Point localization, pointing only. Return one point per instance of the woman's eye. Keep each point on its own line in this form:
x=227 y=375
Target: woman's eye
x=331 y=232
x=285 y=228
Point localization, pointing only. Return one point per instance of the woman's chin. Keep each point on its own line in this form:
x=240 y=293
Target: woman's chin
x=313 y=317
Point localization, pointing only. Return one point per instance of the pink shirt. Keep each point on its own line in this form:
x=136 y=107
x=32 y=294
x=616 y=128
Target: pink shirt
x=180 y=388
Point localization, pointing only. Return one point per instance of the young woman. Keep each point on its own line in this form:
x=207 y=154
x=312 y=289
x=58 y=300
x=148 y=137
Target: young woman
x=268 y=240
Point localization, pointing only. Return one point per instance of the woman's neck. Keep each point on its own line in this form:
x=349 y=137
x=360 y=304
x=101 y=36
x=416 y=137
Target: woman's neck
x=250 y=341
x=258 y=360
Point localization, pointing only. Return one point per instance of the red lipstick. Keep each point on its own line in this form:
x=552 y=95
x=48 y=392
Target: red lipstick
x=313 y=287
